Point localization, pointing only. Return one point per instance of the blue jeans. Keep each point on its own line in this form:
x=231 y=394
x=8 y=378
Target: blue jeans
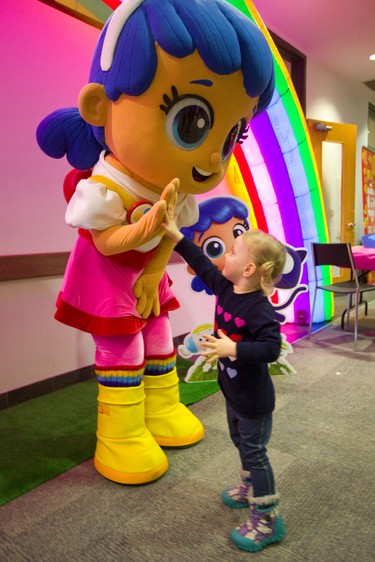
x=251 y=436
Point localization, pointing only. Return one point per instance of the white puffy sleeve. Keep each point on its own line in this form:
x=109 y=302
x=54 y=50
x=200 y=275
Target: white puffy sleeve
x=93 y=206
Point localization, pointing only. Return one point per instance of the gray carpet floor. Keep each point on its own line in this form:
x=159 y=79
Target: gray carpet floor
x=322 y=451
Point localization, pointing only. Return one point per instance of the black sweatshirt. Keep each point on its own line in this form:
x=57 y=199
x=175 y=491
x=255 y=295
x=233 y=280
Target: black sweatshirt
x=247 y=319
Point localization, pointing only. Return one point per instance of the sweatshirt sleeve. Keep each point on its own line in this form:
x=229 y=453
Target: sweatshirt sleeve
x=265 y=346
x=202 y=266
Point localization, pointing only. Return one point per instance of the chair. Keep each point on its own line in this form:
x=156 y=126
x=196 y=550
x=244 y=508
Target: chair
x=340 y=255
x=368 y=240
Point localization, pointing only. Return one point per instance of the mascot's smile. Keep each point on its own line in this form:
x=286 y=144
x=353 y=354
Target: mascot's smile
x=200 y=175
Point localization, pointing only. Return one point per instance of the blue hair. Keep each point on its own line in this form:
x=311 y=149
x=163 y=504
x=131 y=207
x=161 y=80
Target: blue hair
x=225 y=39
x=219 y=210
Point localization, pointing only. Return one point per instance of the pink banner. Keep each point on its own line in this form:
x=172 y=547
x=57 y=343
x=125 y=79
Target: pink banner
x=368 y=190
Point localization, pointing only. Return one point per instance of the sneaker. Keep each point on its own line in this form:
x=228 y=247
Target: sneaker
x=264 y=527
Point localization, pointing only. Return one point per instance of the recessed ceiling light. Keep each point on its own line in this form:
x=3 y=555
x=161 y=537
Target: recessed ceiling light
x=372 y=57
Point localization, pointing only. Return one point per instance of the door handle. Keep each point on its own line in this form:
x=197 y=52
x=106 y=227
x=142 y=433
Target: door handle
x=351 y=224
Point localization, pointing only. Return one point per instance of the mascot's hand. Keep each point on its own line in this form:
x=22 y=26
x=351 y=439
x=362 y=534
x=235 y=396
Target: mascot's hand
x=146 y=291
x=169 y=194
x=117 y=239
x=146 y=288
x=148 y=225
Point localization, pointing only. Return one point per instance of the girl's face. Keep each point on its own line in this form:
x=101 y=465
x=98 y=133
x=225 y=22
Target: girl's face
x=185 y=125
x=237 y=260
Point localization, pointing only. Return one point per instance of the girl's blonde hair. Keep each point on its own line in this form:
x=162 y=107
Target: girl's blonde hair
x=268 y=255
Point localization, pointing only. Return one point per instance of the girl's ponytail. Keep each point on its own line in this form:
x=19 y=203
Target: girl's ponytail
x=266 y=277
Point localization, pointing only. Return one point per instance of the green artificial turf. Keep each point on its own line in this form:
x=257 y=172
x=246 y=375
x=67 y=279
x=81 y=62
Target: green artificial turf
x=46 y=436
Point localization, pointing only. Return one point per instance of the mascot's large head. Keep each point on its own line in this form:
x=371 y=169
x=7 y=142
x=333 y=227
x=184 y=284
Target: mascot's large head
x=172 y=87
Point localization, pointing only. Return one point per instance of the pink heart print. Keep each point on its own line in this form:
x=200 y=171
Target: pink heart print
x=219 y=309
x=227 y=316
x=239 y=322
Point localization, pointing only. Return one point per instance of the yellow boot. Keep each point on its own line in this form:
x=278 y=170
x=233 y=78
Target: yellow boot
x=169 y=421
x=126 y=452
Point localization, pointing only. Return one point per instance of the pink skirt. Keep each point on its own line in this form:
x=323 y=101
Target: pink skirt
x=97 y=291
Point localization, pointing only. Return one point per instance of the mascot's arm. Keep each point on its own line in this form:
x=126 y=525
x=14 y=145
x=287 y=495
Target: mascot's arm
x=147 y=285
x=122 y=238
x=117 y=239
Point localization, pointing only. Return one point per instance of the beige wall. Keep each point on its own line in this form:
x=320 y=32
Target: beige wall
x=331 y=99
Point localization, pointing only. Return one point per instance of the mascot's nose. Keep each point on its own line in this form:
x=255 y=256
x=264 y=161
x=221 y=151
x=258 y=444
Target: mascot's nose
x=215 y=159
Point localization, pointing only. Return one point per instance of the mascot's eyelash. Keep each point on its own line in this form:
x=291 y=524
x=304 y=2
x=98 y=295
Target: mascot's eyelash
x=244 y=135
x=168 y=101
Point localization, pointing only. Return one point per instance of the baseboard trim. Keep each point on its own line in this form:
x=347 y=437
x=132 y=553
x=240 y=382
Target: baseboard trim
x=40 y=388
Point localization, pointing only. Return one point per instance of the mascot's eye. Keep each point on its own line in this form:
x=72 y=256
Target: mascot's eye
x=213 y=247
x=239 y=229
x=235 y=134
x=188 y=122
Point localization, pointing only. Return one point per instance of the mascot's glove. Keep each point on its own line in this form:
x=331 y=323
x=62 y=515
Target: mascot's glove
x=118 y=239
x=146 y=290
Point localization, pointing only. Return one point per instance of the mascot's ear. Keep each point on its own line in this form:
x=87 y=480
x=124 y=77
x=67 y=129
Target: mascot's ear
x=93 y=104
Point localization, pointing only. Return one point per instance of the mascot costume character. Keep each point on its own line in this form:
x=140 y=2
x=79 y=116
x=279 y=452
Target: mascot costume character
x=172 y=87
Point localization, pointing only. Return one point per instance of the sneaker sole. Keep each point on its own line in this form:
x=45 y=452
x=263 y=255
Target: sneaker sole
x=251 y=546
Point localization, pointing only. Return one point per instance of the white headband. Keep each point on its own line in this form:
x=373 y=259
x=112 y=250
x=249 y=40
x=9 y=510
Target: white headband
x=115 y=26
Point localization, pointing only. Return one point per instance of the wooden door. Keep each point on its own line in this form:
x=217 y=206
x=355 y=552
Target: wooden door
x=345 y=138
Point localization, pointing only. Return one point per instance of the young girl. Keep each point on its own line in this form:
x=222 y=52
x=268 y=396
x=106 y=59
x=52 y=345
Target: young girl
x=247 y=339
x=172 y=87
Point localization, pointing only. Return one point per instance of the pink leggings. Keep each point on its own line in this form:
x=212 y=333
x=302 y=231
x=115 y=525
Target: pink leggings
x=150 y=350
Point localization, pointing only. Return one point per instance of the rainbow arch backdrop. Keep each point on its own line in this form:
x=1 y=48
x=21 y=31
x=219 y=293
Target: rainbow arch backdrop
x=275 y=174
